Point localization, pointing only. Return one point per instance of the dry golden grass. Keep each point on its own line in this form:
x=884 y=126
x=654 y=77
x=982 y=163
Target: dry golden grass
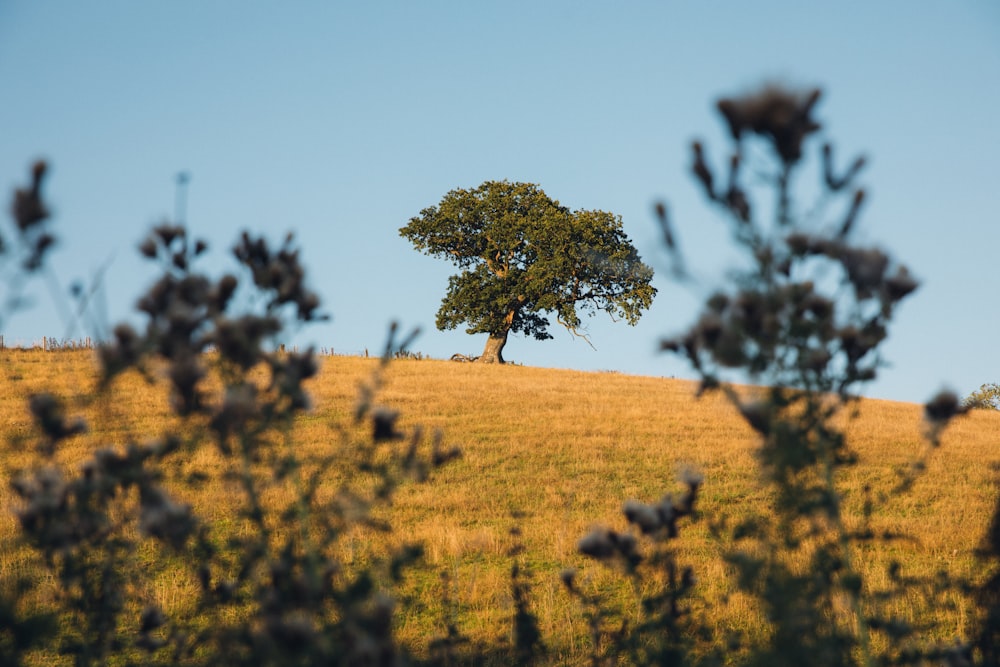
x=554 y=453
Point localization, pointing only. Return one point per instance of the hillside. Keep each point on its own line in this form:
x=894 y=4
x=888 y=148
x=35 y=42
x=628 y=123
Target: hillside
x=551 y=453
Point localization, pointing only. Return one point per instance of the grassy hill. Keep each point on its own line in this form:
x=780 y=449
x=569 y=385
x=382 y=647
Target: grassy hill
x=550 y=453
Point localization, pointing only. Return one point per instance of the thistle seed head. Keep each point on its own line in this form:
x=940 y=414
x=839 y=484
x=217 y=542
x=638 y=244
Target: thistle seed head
x=641 y=515
x=599 y=543
x=780 y=114
x=28 y=209
x=384 y=424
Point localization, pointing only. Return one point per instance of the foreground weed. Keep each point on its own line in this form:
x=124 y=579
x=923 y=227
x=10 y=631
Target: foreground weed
x=663 y=630
x=274 y=587
x=805 y=318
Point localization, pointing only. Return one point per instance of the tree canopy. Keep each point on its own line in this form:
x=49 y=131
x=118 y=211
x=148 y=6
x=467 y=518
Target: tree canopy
x=523 y=258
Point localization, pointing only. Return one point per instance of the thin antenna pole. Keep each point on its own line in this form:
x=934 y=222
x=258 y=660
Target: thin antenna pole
x=180 y=197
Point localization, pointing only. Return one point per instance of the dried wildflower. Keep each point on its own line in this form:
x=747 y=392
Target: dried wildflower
x=291 y=632
x=833 y=182
x=691 y=476
x=384 y=424
x=380 y=612
x=738 y=203
x=670 y=345
x=280 y=272
x=701 y=169
x=799 y=243
x=729 y=349
x=642 y=515
x=441 y=456
x=852 y=214
x=900 y=284
x=664 y=219
x=708 y=383
x=865 y=374
x=164 y=519
x=127 y=339
x=939 y=412
x=418 y=468
x=288 y=374
x=56 y=517
x=148 y=247
x=718 y=302
x=778 y=113
x=819 y=307
x=154 y=302
x=626 y=545
x=684 y=505
x=167 y=233
x=223 y=291
x=602 y=544
x=865 y=268
x=115 y=469
x=750 y=310
x=599 y=543
x=45 y=492
x=151 y=619
x=240 y=340
x=48 y=413
x=39 y=245
x=758 y=416
x=238 y=407
x=815 y=360
x=943 y=407
x=125 y=352
x=28 y=208
x=185 y=374
x=709 y=328
x=306 y=305
x=193 y=290
x=668 y=512
x=204 y=577
x=856 y=343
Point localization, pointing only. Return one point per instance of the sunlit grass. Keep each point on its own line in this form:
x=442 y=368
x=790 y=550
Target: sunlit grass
x=552 y=453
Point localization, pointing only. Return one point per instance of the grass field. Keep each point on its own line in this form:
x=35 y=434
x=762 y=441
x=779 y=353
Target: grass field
x=553 y=453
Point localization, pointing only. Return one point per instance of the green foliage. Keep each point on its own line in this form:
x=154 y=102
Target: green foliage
x=987 y=397
x=523 y=255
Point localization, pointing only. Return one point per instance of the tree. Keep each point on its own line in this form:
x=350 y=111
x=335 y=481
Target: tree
x=987 y=397
x=522 y=256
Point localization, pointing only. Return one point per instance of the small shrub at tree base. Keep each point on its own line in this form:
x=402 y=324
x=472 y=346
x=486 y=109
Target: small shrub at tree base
x=987 y=397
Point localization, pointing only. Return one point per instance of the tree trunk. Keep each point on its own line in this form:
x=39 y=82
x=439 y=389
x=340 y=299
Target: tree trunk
x=492 y=354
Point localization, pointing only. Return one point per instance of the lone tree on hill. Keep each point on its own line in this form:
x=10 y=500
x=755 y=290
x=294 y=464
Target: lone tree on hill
x=522 y=256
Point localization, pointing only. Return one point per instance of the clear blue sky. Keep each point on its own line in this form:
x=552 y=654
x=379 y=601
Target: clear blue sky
x=340 y=121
